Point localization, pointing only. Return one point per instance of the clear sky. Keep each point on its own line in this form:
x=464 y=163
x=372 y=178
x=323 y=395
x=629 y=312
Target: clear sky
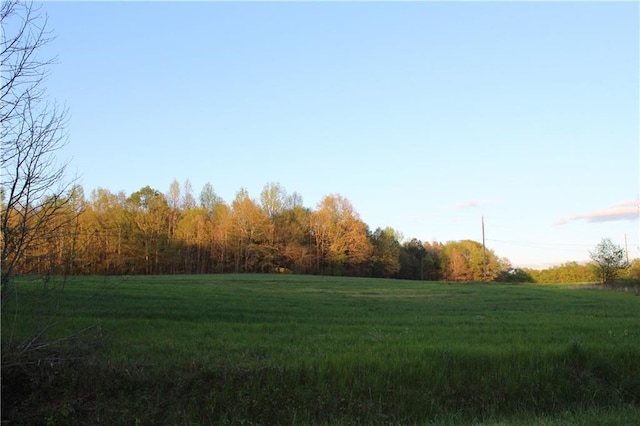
x=425 y=115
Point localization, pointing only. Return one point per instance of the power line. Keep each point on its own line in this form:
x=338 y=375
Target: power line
x=534 y=243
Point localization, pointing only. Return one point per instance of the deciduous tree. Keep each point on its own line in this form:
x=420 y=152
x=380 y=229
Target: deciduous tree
x=609 y=260
x=294 y=239
x=192 y=234
x=151 y=216
x=385 y=259
x=467 y=261
x=273 y=199
x=411 y=258
x=341 y=237
x=250 y=229
x=32 y=130
x=209 y=199
x=110 y=230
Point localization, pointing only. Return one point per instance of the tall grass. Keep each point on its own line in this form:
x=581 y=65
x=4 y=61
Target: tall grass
x=226 y=349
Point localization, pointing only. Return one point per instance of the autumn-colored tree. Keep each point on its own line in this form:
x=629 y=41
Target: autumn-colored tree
x=457 y=264
x=109 y=227
x=192 y=235
x=150 y=215
x=218 y=213
x=467 y=261
x=297 y=240
x=179 y=201
x=250 y=229
x=173 y=249
x=220 y=238
x=55 y=249
x=288 y=228
x=150 y=232
x=342 y=243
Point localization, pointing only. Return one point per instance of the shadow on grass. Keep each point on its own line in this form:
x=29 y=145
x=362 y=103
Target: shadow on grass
x=448 y=388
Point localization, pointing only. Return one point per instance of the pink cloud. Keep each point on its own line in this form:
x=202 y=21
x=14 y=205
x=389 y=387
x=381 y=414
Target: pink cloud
x=467 y=205
x=628 y=210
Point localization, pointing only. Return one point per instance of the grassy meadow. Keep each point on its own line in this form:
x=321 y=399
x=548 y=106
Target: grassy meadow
x=286 y=349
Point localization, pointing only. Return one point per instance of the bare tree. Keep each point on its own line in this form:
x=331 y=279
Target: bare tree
x=35 y=191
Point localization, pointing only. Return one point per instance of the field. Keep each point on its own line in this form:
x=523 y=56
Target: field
x=285 y=349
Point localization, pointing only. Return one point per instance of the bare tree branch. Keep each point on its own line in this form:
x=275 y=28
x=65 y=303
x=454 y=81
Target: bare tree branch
x=35 y=193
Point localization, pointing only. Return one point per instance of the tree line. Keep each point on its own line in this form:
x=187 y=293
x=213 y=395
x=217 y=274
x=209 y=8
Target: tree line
x=151 y=232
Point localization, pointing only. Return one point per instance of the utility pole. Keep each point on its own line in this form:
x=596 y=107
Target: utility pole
x=484 y=255
x=626 y=248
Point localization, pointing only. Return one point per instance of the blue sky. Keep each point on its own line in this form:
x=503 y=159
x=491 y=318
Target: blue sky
x=426 y=115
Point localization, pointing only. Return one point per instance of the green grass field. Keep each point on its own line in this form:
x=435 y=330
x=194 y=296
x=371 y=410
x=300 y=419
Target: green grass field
x=284 y=349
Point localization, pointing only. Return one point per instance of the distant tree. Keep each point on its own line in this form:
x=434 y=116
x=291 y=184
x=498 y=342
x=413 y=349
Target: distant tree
x=385 y=260
x=515 y=275
x=173 y=199
x=219 y=239
x=411 y=256
x=250 y=229
x=273 y=199
x=504 y=264
x=209 y=199
x=151 y=215
x=633 y=271
x=458 y=265
x=467 y=261
x=192 y=234
x=173 y=196
x=508 y=274
x=295 y=245
x=432 y=262
x=293 y=200
x=574 y=272
x=609 y=260
x=111 y=232
x=342 y=243
x=188 y=200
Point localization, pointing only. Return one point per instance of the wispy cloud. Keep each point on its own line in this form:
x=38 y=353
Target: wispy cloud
x=627 y=210
x=467 y=205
